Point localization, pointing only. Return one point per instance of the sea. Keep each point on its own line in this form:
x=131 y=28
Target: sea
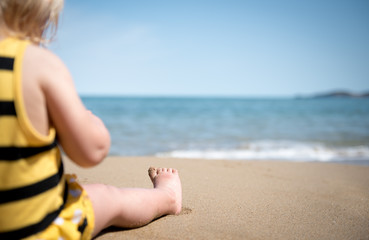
x=287 y=129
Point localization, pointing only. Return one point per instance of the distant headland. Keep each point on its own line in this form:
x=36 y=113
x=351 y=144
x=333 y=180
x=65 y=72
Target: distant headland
x=337 y=94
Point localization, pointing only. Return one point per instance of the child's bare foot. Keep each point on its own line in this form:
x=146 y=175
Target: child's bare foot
x=167 y=179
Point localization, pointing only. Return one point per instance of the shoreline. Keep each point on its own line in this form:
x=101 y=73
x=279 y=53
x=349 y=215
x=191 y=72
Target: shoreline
x=225 y=199
x=344 y=162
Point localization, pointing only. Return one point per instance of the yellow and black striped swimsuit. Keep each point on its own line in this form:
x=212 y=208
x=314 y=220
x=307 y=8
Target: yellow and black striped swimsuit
x=33 y=187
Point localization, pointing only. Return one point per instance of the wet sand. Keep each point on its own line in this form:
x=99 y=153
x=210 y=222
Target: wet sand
x=247 y=199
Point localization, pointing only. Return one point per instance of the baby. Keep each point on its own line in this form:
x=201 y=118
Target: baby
x=39 y=111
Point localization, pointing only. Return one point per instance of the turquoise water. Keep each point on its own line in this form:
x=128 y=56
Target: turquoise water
x=218 y=128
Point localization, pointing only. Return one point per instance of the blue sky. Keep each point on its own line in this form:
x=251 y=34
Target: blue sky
x=215 y=48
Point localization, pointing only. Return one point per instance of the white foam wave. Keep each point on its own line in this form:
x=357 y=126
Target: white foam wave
x=277 y=150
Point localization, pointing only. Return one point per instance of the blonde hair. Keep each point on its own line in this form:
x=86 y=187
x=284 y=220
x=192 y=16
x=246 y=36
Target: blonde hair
x=34 y=20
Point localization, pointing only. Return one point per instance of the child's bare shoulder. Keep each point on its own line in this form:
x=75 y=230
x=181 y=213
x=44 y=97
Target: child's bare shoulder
x=42 y=56
x=44 y=64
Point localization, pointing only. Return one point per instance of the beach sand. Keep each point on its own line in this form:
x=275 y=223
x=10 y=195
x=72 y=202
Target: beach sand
x=247 y=199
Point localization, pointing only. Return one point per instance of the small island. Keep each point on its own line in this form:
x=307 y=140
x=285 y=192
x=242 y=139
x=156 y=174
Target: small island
x=337 y=94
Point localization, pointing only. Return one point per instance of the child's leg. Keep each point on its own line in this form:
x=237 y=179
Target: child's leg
x=135 y=207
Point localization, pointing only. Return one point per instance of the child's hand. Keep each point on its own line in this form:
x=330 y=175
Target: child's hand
x=96 y=119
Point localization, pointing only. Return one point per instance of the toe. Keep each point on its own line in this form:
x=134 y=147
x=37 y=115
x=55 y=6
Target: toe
x=152 y=172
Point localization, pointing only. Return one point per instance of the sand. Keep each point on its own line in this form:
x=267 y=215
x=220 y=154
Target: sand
x=247 y=199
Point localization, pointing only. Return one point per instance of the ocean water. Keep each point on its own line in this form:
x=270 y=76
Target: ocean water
x=331 y=129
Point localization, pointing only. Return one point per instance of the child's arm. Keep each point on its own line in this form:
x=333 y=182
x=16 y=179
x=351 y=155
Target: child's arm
x=82 y=135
